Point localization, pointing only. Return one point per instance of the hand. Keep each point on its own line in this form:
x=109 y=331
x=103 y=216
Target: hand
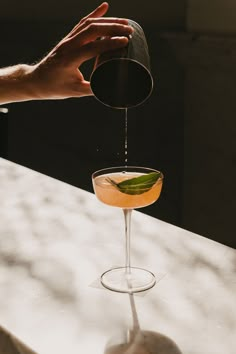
x=57 y=75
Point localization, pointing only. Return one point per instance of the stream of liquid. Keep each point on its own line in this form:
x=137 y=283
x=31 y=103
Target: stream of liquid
x=126 y=137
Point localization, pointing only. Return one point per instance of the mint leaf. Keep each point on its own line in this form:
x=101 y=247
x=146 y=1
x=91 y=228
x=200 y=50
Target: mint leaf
x=136 y=185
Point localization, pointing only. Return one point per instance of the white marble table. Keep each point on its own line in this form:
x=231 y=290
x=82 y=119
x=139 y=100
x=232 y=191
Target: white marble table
x=56 y=240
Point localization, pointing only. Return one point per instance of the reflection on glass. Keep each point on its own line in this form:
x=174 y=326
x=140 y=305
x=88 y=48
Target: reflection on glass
x=127 y=188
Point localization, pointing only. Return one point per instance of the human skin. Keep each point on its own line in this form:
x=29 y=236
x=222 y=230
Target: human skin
x=58 y=75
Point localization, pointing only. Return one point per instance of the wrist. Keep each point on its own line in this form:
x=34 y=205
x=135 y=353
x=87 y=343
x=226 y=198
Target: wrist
x=26 y=83
x=18 y=83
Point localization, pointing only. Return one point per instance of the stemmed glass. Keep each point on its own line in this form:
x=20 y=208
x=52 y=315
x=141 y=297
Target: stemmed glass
x=127 y=188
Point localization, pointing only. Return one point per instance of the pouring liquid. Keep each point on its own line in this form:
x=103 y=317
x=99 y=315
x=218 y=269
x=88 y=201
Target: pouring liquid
x=126 y=137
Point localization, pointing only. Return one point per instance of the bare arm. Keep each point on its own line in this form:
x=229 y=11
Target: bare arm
x=57 y=76
x=16 y=84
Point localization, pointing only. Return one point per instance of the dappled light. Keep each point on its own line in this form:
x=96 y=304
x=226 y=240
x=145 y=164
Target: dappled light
x=55 y=242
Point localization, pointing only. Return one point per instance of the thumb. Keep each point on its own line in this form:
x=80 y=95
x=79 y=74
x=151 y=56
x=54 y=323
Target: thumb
x=85 y=89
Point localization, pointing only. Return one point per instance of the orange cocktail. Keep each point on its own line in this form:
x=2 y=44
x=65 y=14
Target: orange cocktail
x=107 y=192
x=128 y=188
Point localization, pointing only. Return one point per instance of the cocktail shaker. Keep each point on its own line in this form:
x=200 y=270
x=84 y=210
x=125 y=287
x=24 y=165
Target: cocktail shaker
x=122 y=78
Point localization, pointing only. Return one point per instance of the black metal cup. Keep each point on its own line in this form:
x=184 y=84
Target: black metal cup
x=122 y=78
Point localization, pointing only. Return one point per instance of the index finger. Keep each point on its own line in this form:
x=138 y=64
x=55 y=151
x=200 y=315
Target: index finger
x=98 y=12
x=97 y=20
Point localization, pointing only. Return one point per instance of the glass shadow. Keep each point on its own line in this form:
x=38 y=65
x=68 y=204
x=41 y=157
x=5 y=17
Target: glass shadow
x=134 y=340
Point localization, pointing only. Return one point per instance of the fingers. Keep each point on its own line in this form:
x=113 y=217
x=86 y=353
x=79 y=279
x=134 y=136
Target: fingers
x=92 y=49
x=98 y=30
x=98 y=12
x=92 y=20
x=84 y=45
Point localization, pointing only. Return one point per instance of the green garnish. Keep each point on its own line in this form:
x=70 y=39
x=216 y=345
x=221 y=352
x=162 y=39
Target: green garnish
x=136 y=185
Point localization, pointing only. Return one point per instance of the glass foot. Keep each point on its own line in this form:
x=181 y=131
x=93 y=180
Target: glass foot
x=120 y=280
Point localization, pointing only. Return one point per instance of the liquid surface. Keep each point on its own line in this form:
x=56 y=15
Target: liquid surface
x=110 y=195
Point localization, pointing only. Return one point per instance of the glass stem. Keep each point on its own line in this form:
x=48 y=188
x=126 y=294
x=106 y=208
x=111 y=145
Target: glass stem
x=127 y=216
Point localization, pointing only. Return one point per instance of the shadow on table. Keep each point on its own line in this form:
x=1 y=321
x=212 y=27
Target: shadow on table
x=136 y=341
x=9 y=344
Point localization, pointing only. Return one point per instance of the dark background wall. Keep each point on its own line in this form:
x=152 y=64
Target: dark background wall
x=186 y=128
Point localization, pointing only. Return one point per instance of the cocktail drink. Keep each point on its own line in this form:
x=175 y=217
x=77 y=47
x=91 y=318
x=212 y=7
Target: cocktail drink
x=127 y=188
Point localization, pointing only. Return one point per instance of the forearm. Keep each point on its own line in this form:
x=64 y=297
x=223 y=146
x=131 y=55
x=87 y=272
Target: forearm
x=17 y=84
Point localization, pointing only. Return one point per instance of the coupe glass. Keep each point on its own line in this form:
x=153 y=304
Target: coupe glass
x=143 y=190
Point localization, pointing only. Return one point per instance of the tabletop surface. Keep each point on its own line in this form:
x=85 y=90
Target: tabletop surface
x=55 y=242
